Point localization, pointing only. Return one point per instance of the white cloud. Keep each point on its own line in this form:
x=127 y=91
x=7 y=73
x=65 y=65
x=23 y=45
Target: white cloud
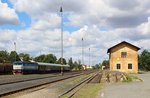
x=144 y=27
x=102 y=24
x=7 y=15
x=47 y=21
x=109 y=14
x=7 y=39
x=7 y=35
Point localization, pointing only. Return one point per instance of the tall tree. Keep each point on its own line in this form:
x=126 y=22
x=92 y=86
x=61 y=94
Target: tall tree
x=70 y=62
x=59 y=61
x=40 y=58
x=75 y=64
x=144 y=60
x=25 y=57
x=49 y=58
x=79 y=65
x=97 y=66
x=13 y=56
x=4 y=56
x=106 y=63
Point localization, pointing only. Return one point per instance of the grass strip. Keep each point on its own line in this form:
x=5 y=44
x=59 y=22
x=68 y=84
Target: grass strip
x=88 y=91
x=72 y=82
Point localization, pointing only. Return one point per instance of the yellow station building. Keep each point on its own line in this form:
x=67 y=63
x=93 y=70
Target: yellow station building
x=123 y=57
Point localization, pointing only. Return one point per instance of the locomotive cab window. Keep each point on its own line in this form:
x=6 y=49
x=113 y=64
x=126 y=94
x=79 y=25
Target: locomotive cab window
x=18 y=63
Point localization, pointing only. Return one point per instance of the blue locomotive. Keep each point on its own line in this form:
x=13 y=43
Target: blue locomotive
x=26 y=67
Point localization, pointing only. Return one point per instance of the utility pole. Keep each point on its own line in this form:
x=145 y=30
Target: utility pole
x=82 y=53
x=61 y=11
x=15 y=50
x=89 y=58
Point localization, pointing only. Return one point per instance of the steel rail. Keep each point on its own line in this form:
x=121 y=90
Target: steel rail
x=20 y=86
x=79 y=85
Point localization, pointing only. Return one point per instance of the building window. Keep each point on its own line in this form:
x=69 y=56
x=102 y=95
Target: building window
x=129 y=66
x=118 y=66
x=123 y=54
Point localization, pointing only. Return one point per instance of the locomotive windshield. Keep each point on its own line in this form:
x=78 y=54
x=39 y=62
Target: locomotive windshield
x=17 y=63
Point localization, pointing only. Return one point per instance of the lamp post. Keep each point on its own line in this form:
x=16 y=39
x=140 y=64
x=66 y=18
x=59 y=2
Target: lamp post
x=15 y=50
x=61 y=11
x=82 y=53
x=89 y=58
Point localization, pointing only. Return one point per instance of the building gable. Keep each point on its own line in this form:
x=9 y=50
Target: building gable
x=121 y=45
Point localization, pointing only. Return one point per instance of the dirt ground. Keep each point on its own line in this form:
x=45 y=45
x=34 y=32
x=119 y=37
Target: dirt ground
x=127 y=90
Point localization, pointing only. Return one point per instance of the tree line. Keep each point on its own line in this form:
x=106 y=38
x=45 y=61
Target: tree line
x=6 y=57
x=99 y=66
x=144 y=60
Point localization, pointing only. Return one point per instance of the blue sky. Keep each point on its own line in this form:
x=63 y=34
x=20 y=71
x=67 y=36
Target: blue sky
x=24 y=22
x=35 y=26
x=24 y=19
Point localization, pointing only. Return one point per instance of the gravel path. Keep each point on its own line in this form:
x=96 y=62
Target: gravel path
x=128 y=90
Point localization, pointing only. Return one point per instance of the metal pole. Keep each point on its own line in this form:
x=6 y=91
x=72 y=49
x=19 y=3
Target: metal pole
x=61 y=11
x=15 y=49
x=82 y=53
x=89 y=58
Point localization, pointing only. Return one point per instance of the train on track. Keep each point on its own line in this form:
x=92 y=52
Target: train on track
x=6 y=68
x=26 y=67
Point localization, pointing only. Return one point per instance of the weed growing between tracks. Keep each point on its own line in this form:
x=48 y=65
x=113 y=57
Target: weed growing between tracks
x=72 y=82
x=88 y=91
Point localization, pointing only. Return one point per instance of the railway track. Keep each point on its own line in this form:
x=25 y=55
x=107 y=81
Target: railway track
x=16 y=80
x=14 y=87
x=22 y=78
x=94 y=78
